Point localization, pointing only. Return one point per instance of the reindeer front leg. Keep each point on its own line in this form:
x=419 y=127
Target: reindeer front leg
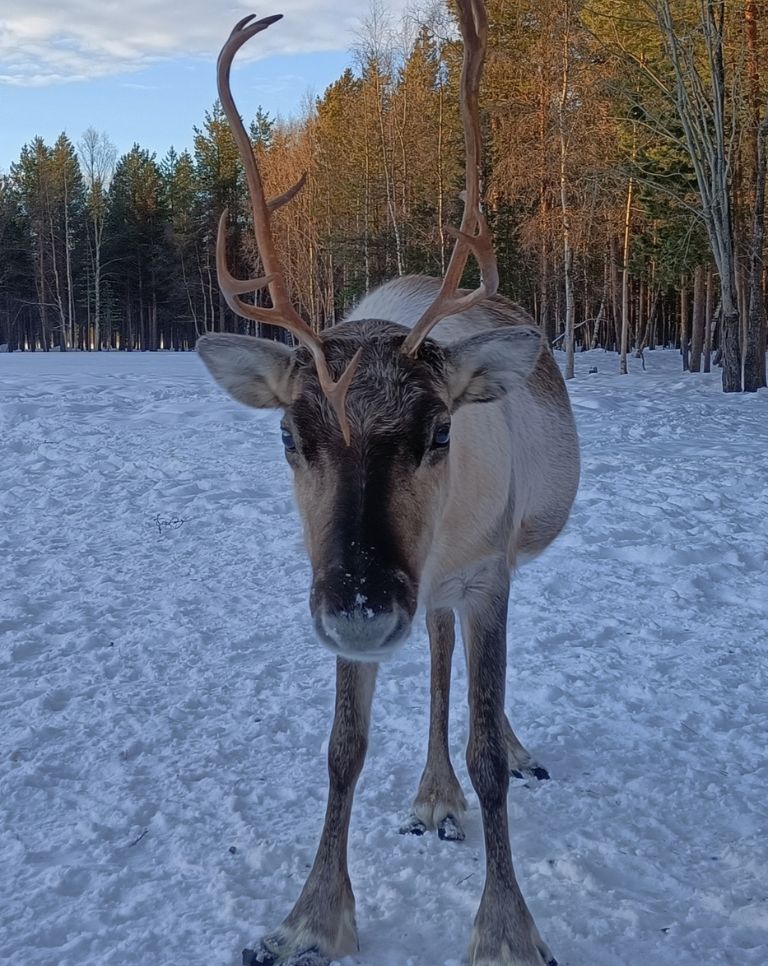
x=504 y=932
x=321 y=925
x=439 y=802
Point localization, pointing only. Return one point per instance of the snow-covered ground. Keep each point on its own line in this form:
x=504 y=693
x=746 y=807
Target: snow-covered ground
x=165 y=709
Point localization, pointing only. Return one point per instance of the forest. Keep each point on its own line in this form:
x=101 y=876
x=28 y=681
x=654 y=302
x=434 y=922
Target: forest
x=624 y=181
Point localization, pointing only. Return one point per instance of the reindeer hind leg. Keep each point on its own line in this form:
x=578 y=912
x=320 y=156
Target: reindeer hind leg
x=521 y=762
x=439 y=802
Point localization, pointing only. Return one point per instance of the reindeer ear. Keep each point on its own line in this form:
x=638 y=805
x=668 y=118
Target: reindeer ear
x=255 y=372
x=487 y=366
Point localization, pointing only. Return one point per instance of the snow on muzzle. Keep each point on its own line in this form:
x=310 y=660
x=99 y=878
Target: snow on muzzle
x=365 y=618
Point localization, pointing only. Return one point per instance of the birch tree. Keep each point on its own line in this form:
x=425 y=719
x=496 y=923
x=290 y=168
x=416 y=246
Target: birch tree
x=97 y=157
x=697 y=61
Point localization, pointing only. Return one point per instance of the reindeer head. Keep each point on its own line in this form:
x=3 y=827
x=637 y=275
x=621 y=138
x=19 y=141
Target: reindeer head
x=370 y=506
x=368 y=405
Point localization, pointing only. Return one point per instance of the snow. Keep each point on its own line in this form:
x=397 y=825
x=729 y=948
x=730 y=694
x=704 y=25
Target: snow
x=165 y=708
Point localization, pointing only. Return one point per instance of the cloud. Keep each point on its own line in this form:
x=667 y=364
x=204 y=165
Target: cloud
x=72 y=40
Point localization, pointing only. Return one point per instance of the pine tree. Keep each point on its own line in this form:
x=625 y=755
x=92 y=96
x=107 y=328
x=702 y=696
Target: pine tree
x=138 y=246
x=186 y=281
x=221 y=185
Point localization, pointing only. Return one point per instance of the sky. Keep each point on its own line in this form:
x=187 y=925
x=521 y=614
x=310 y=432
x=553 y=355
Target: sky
x=145 y=71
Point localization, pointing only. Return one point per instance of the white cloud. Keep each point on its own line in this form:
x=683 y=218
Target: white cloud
x=72 y=40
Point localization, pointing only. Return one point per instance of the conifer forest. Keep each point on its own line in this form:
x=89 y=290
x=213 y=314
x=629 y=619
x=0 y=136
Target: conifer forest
x=625 y=169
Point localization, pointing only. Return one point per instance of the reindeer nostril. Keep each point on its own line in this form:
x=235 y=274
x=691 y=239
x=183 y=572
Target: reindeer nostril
x=362 y=633
x=362 y=608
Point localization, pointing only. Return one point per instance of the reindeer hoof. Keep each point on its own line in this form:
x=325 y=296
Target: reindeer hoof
x=450 y=830
x=265 y=957
x=412 y=826
x=532 y=771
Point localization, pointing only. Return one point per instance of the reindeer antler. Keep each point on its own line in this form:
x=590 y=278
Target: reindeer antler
x=283 y=313
x=473 y=235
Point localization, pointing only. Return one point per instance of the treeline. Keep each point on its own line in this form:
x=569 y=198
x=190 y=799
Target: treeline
x=625 y=175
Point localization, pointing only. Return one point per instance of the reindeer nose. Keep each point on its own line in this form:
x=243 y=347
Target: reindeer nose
x=362 y=633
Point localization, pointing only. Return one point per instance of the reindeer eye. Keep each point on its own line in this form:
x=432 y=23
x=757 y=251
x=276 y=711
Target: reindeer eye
x=442 y=436
x=288 y=441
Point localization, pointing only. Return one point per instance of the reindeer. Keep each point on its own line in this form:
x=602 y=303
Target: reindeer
x=433 y=449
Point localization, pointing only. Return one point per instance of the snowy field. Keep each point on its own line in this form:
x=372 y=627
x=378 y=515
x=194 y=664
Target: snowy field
x=165 y=710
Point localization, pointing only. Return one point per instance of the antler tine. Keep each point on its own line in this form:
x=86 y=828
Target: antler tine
x=474 y=234
x=283 y=313
x=274 y=203
x=231 y=286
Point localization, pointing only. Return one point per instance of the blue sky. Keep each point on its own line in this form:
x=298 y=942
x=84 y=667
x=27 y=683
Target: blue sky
x=158 y=105
x=144 y=71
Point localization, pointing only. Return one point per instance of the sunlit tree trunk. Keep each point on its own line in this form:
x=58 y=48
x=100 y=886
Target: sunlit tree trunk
x=570 y=304
x=625 y=280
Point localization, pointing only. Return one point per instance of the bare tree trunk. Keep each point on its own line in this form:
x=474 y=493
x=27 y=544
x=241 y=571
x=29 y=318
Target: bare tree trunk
x=367 y=216
x=601 y=313
x=65 y=343
x=641 y=317
x=98 y=232
x=648 y=339
x=615 y=295
x=754 y=356
x=211 y=306
x=649 y=310
x=201 y=275
x=547 y=320
x=68 y=266
x=684 y=322
x=222 y=311
x=330 y=306
x=653 y=337
x=742 y=301
x=570 y=305
x=440 y=179
x=97 y=161
x=625 y=282
x=188 y=293
x=153 y=334
x=708 y=317
x=40 y=287
x=697 y=330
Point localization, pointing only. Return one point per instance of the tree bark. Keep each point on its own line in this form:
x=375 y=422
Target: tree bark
x=615 y=296
x=709 y=313
x=601 y=312
x=63 y=328
x=570 y=305
x=684 y=323
x=625 y=281
x=73 y=339
x=754 y=356
x=697 y=329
